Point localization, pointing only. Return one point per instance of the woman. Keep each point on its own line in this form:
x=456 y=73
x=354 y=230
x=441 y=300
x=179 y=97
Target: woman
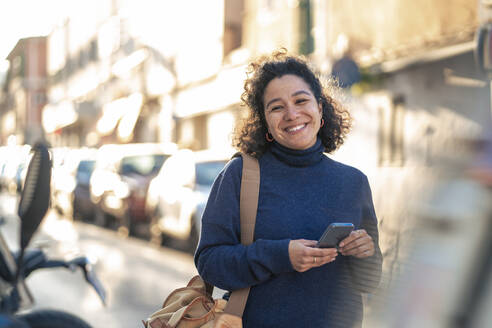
x=294 y=284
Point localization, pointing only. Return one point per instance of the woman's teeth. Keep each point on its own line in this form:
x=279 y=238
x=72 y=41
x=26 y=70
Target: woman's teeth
x=295 y=128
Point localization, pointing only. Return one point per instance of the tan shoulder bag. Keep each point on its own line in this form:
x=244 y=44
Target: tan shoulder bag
x=193 y=306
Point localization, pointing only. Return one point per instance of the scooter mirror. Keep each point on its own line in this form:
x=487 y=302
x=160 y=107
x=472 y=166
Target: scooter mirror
x=35 y=197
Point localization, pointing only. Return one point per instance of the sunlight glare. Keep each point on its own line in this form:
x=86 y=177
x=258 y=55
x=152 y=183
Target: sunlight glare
x=60 y=230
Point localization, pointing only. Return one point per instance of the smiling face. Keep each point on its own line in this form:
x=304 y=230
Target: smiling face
x=292 y=113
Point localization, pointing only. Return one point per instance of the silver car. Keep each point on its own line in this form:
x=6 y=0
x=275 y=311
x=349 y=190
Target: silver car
x=178 y=194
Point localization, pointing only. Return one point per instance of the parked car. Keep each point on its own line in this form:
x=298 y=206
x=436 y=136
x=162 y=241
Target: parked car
x=13 y=167
x=81 y=197
x=65 y=178
x=119 y=183
x=178 y=194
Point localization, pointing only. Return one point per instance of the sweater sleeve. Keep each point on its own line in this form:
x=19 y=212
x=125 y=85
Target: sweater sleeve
x=220 y=258
x=366 y=272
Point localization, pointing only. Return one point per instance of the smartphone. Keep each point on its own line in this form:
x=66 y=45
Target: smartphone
x=334 y=234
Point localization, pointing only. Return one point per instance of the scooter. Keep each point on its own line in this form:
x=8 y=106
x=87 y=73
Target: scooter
x=15 y=296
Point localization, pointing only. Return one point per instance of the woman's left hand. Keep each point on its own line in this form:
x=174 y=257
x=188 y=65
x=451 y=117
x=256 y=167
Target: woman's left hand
x=359 y=244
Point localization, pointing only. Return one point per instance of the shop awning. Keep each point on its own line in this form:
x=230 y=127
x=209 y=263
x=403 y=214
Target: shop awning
x=122 y=113
x=223 y=91
x=57 y=116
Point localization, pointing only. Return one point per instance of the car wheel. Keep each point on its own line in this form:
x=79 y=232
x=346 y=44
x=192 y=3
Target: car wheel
x=100 y=218
x=189 y=244
x=77 y=216
x=75 y=212
x=125 y=225
x=193 y=238
x=155 y=234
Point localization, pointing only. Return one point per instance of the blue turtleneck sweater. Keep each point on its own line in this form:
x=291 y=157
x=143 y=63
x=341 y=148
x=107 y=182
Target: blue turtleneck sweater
x=301 y=193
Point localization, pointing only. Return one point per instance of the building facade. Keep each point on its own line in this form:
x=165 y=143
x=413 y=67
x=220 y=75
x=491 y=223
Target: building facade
x=420 y=100
x=102 y=80
x=25 y=92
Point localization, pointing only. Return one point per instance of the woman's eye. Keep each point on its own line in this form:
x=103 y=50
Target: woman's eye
x=275 y=108
x=300 y=101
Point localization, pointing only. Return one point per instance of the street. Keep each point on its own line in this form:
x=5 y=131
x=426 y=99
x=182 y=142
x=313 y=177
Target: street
x=137 y=276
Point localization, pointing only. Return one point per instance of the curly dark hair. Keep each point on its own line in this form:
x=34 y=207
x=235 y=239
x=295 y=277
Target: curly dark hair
x=250 y=136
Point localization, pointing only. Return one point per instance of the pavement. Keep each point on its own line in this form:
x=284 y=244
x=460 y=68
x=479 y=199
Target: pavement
x=137 y=276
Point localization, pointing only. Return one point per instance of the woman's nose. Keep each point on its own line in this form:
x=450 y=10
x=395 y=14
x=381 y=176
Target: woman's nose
x=291 y=113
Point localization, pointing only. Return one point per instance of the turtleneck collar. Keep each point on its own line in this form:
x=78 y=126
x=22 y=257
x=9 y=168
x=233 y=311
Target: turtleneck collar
x=293 y=157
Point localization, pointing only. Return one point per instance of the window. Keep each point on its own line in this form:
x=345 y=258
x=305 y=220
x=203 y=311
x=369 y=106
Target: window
x=142 y=164
x=233 y=29
x=206 y=172
x=38 y=99
x=192 y=132
x=93 y=50
x=82 y=58
x=18 y=66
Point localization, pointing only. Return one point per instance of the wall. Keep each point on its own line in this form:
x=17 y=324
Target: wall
x=270 y=25
x=444 y=106
x=383 y=29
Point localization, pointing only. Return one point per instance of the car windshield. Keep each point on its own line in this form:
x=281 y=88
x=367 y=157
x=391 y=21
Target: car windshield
x=207 y=171
x=86 y=166
x=143 y=165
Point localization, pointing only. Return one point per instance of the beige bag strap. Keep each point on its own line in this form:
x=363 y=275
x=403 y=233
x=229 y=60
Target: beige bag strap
x=248 y=206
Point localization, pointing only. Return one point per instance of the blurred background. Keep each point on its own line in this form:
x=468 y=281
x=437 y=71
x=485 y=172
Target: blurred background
x=138 y=100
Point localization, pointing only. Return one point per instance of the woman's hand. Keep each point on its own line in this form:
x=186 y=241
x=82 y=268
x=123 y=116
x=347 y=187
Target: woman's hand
x=359 y=244
x=304 y=256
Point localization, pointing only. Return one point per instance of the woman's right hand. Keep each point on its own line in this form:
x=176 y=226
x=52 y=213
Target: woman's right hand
x=304 y=255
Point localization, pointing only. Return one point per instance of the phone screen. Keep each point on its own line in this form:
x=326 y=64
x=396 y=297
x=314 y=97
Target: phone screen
x=334 y=234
